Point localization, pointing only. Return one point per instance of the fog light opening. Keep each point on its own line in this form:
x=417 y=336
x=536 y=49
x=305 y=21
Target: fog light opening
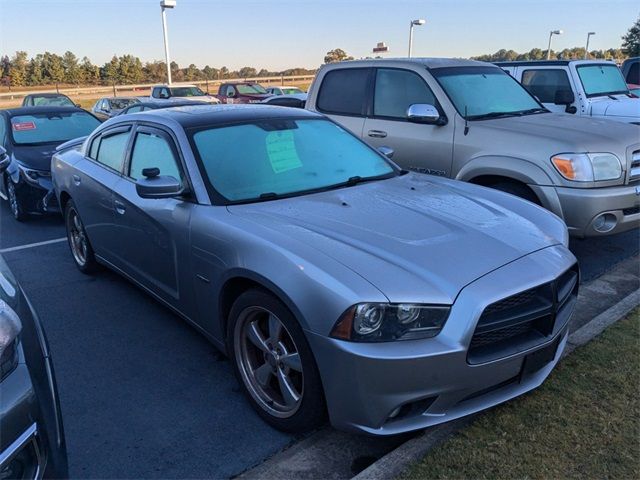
x=605 y=222
x=411 y=409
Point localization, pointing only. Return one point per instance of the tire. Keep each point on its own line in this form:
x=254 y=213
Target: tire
x=81 y=250
x=16 y=204
x=517 y=189
x=264 y=360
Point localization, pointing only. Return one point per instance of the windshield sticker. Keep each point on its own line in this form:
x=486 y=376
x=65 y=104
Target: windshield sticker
x=281 y=149
x=22 y=126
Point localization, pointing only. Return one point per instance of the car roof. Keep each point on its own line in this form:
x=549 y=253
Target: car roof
x=168 y=103
x=195 y=116
x=14 y=112
x=543 y=63
x=46 y=95
x=426 y=61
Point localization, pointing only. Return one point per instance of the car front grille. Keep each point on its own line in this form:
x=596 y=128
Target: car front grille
x=524 y=320
x=634 y=171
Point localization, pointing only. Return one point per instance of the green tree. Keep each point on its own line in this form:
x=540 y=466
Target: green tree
x=35 y=74
x=336 y=55
x=247 y=72
x=72 y=73
x=89 y=72
x=631 y=40
x=18 y=69
x=109 y=73
x=130 y=69
x=192 y=73
x=52 y=68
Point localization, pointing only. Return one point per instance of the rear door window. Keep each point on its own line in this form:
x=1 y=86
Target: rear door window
x=112 y=148
x=344 y=92
x=545 y=83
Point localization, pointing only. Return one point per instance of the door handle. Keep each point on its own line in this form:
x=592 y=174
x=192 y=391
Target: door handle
x=120 y=208
x=76 y=179
x=377 y=133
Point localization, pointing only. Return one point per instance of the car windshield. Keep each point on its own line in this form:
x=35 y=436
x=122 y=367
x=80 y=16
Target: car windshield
x=60 y=101
x=601 y=80
x=186 y=92
x=252 y=89
x=41 y=128
x=291 y=90
x=271 y=158
x=121 y=103
x=485 y=92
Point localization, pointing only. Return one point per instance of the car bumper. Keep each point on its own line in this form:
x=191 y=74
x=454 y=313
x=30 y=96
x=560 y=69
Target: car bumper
x=431 y=381
x=38 y=197
x=600 y=211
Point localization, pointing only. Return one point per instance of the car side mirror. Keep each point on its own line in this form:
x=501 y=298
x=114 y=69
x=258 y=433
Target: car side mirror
x=424 y=113
x=158 y=186
x=386 y=151
x=4 y=159
x=78 y=105
x=564 y=97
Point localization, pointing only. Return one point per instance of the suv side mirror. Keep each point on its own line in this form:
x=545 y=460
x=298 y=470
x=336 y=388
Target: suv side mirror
x=424 y=113
x=564 y=97
x=5 y=160
x=160 y=186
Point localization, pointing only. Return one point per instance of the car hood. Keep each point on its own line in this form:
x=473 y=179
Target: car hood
x=414 y=237
x=622 y=106
x=36 y=157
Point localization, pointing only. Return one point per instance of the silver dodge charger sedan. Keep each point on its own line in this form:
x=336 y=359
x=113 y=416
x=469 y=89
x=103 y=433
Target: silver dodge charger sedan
x=336 y=282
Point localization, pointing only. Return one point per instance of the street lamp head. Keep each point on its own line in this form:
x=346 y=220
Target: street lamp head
x=591 y=33
x=167 y=3
x=420 y=21
x=557 y=32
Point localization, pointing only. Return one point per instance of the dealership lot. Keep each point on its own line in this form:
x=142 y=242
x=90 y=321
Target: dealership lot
x=141 y=391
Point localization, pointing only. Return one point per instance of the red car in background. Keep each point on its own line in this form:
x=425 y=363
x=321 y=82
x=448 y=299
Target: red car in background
x=242 y=92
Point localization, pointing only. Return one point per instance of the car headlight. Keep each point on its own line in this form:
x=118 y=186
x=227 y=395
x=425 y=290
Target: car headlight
x=384 y=322
x=31 y=175
x=588 y=167
x=10 y=328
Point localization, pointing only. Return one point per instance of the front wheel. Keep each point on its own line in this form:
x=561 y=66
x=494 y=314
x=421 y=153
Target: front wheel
x=81 y=250
x=517 y=189
x=16 y=204
x=274 y=363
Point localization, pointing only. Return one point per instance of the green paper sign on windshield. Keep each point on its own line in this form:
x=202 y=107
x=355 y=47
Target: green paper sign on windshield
x=281 y=149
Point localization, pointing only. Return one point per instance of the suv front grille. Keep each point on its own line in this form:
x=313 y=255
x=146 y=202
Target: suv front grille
x=634 y=171
x=524 y=320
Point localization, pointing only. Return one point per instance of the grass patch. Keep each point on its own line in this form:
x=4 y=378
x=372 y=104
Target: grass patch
x=583 y=422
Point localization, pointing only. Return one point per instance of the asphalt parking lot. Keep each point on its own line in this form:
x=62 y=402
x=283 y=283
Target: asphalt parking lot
x=143 y=394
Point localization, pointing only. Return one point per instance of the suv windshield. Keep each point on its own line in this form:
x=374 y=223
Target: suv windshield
x=291 y=90
x=41 y=128
x=60 y=100
x=485 y=92
x=186 y=92
x=601 y=80
x=283 y=157
x=253 y=89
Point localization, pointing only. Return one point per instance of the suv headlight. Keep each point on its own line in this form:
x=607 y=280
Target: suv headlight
x=384 y=322
x=588 y=167
x=31 y=175
x=10 y=328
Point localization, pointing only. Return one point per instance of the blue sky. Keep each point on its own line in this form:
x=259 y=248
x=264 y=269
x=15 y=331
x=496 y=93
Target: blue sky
x=276 y=34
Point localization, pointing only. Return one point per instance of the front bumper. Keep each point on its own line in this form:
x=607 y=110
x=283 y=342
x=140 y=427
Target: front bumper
x=600 y=211
x=431 y=381
x=38 y=197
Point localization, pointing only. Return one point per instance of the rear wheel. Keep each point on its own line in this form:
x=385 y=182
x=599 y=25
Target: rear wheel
x=16 y=204
x=79 y=244
x=517 y=189
x=274 y=363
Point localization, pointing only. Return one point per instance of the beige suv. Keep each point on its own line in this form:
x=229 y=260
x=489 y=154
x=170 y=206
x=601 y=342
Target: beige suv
x=471 y=121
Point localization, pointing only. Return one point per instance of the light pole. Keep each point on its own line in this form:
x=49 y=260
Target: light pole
x=586 y=49
x=166 y=4
x=412 y=24
x=551 y=34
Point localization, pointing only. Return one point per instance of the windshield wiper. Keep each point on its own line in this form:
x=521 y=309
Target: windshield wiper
x=492 y=115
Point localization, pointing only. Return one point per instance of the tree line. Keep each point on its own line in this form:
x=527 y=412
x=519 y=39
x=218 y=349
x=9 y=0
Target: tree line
x=49 y=68
x=575 y=53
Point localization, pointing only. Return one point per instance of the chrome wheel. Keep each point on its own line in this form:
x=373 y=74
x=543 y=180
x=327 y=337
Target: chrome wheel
x=77 y=237
x=269 y=362
x=13 y=199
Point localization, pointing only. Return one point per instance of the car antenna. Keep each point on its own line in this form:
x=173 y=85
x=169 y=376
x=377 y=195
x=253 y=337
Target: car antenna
x=466 y=122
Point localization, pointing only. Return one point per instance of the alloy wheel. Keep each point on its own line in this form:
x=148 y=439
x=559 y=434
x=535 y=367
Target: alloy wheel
x=13 y=199
x=77 y=237
x=269 y=362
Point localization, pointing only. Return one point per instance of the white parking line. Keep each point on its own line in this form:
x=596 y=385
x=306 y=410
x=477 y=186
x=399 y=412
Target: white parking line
x=32 y=245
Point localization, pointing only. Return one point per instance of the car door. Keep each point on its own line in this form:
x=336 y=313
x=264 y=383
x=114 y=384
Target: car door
x=422 y=147
x=153 y=233
x=94 y=178
x=343 y=97
x=544 y=83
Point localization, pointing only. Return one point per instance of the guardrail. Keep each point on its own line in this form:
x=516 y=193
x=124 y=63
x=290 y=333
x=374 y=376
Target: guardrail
x=114 y=89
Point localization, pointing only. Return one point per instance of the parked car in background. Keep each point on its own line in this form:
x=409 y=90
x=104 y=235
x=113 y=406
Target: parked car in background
x=471 y=121
x=327 y=273
x=242 y=92
x=631 y=70
x=295 y=100
x=48 y=99
x=30 y=135
x=181 y=92
x=284 y=90
x=108 y=107
x=634 y=89
x=592 y=88
x=32 y=443
x=145 y=105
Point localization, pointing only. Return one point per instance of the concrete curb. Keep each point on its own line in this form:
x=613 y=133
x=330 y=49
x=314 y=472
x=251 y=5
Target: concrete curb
x=397 y=461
